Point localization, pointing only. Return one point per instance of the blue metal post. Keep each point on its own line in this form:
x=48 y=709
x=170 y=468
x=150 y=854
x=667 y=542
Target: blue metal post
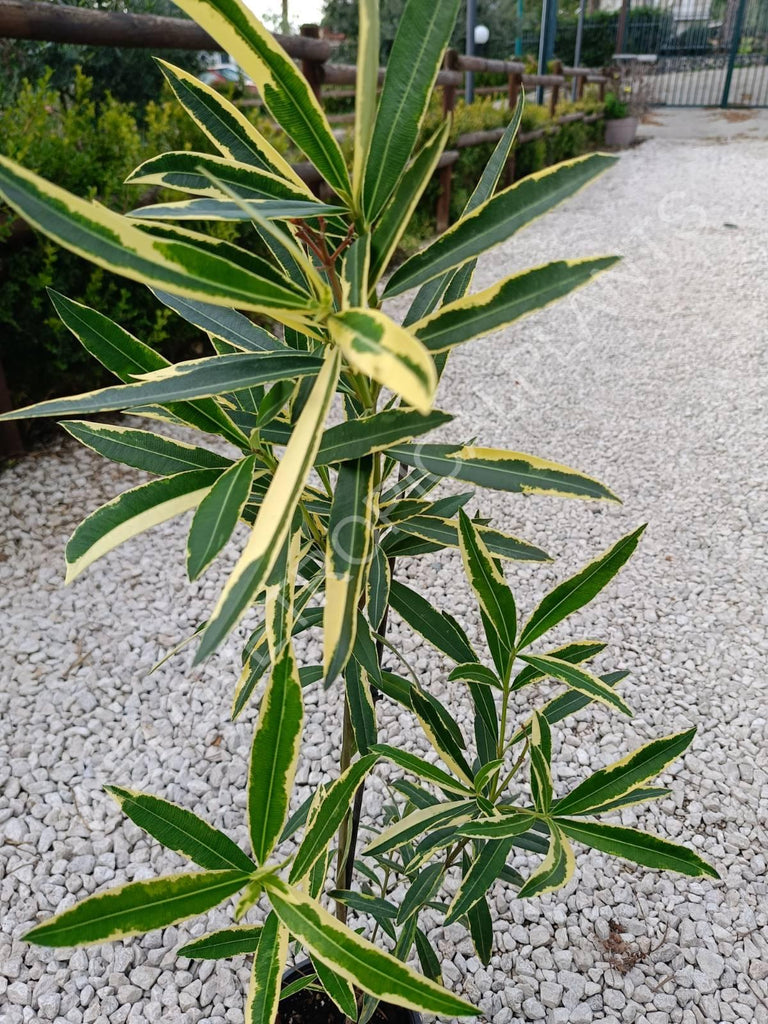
x=519 y=36
x=546 y=41
x=732 y=53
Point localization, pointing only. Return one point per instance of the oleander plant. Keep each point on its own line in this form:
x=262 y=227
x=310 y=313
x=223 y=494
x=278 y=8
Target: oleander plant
x=322 y=401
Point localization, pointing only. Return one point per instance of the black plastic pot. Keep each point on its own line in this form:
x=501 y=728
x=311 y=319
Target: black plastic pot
x=386 y=1013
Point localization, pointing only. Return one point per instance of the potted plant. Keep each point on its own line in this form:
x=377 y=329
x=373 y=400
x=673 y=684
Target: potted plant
x=620 y=120
x=332 y=508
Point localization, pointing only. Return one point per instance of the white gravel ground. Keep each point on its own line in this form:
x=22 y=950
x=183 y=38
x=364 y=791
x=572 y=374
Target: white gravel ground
x=654 y=380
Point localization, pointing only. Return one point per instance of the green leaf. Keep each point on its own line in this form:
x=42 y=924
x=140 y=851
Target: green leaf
x=504 y=827
x=382 y=911
x=575 y=652
x=338 y=989
x=137 y=907
x=182 y=831
x=126 y=357
x=430 y=965
x=276 y=512
x=541 y=755
x=446 y=533
x=442 y=732
x=144 y=450
x=555 y=871
x=505 y=302
x=362 y=709
x=567 y=703
x=579 y=590
x=350 y=532
x=274 y=756
x=115 y=243
x=475 y=673
x=229 y=210
x=355 y=439
x=377 y=587
x=436 y=627
x=425 y=819
x=223 y=944
x=185 y=171
x=390 y=227
x=363 y=965
x=497 y=219
x=421 y=768
x=266 y=977
x=366 y=88
x=641 y=794
x=640 y=847
x=226 y=126
x=421 y=890
x=623 y=776
x=132 y=512
x=218 y=321
x=375 y=345
x=488 y=584
x=501 y=470
x=197 y=378
x=330 y=815
x=484 y=871
x=284 y=91
x=456 y=284
x=423 y=31
x=355 y=270
x=579 y=679
x=481 y=930
x=217 y=515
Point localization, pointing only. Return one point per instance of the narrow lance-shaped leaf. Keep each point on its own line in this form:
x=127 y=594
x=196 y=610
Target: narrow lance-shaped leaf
x=223 y=944
x=455 y=284
x=497 y=219
x=266 y=976
x=338 y=989
x=480 y=877
x=367 y=77
x=274 y=755
x=356 y=270
x=420 y=891
x=566 y=704
x=182 y=170
x=445 y=532
x=180 y=830
x=134 y=511
x=439 y=629
x=488 y=584
x=425 y=819
x=274 y=519
x=224 y=125
x=445 y=739
x=137 y=907
x=219 y=322
x=115 y=243
x=393 y=222
x=640 y=847
x=230 y=209
x=574 y=652
x=329 y=816
x=196 y=378
x=217 y=515
x=578 y=678
x=421 y=768
x=423 y=31
x=501 y=470
x=377 y=587
x=362 y=964
x=375 y=345
x=579 y=590
x=357 y=438
x=623 y=776
x=350 y=530
x=555 y=871
x=481 y=930
x=362 y=709
x=144 y=450
x=541 y=756
x=503 y=303
x=285 y=93
x=126 y=357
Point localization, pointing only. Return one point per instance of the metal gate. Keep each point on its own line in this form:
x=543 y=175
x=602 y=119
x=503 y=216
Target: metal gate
x=707 y=53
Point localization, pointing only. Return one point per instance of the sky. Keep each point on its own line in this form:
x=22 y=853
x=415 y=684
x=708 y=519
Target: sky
x=299 y=11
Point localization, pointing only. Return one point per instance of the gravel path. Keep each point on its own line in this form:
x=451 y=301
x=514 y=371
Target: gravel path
x=654 y=380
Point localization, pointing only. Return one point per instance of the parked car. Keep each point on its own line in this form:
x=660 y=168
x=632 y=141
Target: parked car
x=220 y=75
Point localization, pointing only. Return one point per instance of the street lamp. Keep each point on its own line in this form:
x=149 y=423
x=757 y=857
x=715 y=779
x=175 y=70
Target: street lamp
x=477 y=35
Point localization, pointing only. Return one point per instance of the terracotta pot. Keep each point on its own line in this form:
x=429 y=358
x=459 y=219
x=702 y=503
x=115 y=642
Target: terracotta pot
x=398 y=1014
x=620 y=132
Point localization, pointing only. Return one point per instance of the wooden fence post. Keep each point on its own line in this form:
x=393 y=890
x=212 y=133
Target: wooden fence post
x=554 y=96
x=312 y=69
x=582 y=81
x=443 y=213
x=515 y=85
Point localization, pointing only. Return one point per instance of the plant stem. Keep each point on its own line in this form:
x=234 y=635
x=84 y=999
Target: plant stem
x=348 y=829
